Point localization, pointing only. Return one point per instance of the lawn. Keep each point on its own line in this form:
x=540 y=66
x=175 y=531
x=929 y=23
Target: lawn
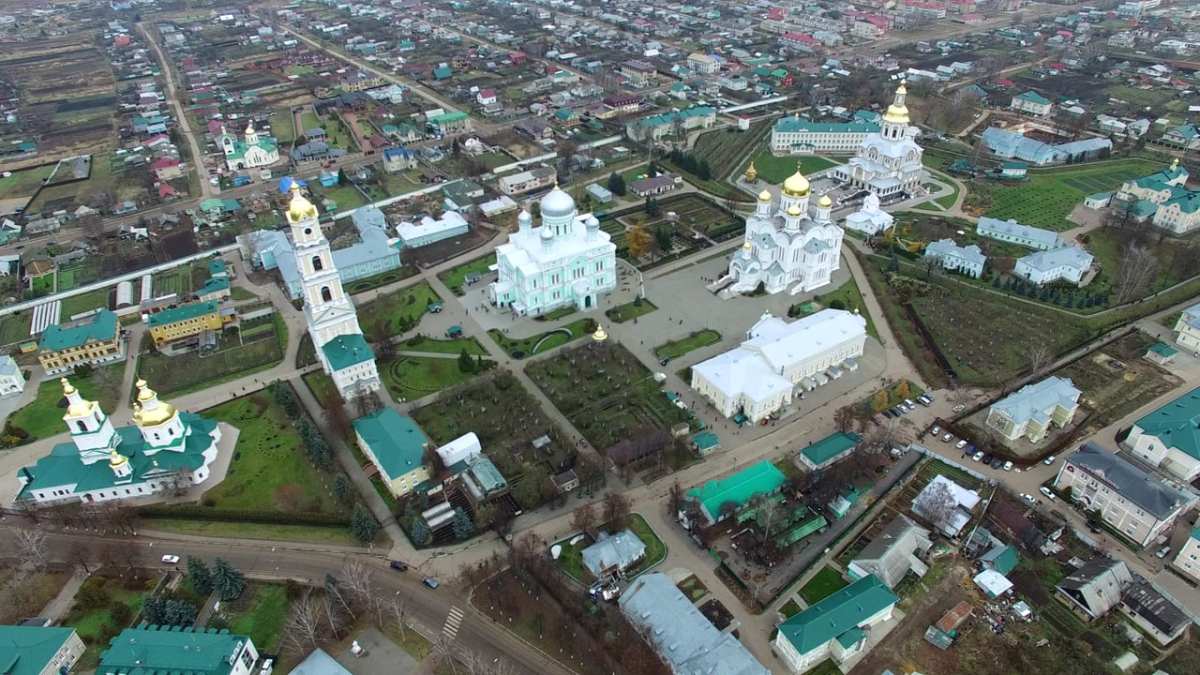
x=313 y=534
x=521 y=347
x=789 y=608
x=260 y=613
x=570 y=559
x=455 y=277
x=774 y=169
x=175 y=280
x=630 y=310
x=24 y=182
x=412 y=377
x=283 y=126
x=269 y=471
x=38 y=588
x=322 y=387
x=240 y=294
x=42 y=417
x=606 y=393
x=398 y=311
x=346 y=196
x=677 y=348
x=84 y=302
x=15 y=327
x=1047 y=198
x=96 y=625
x=233 y=358
x=382 y=279
x=656 y=550
x=823 y=584
x=424 y=343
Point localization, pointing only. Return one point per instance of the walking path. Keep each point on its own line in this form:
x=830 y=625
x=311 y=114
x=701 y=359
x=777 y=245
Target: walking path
x=56 y=610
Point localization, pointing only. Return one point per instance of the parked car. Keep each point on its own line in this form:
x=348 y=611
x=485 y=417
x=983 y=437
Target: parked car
x=977 y=456
x=897 y=410
x=1008 y=466
x=961 y=444
x=997 y=464
x=925 y=399
x=1028 y=498
x=430 y=582
x=908 y=402
x=1048 y=461
x=1162 y=552
x=947 y=437
x=888 y=413
x=935 y=430
x=959 y=408
x=664 y=360
x=987 y=458
x=1049 y=494
x=170 y=559
x=398 y=566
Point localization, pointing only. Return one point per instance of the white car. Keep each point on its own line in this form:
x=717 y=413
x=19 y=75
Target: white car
x=1049 y=495
x=961 y=444
x=935 y=430
x=170 y=559
x=1028 y=498
x=948 y=437
x=1162 y=552
x=978 y=456
x=1048 y=461
x=1008 y=466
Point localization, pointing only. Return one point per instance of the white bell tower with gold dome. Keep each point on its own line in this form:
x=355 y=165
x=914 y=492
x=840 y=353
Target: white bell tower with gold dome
x=888 y=163
x=158 y=421
x=331 y=317
x=91 y=430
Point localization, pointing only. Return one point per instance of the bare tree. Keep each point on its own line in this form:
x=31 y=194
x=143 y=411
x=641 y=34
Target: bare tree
x=357 y=581
x=584 y=518
x=399 y=609
x=616 y=509
x=1039 y=357
x=77 y=556
x=938 y=505
x=1138 y=267
x=302 y=632
x=31 y=547
x=444 y=652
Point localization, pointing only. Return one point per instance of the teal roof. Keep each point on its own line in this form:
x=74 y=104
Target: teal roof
x=1006 y=560
x=169 y=649
x=485 y=472
x=214 y=284
x=1013 y=164
x=1034 y=97
x=446 y=118
x=1188 y=202
x=851 y=637
x=829 y=447
x=182 y=313
x=395 y=440
x=1143 y=208
x=759 y=478
x=669 y=117
x=803 y=529
x=344 y=351
x=63 y=465
x=795 y=124
x=837 y=614
x=216 y=267
x=1163 y=349
x=706 y=440
x=100 y=327
x=1177 y=424
x=1196 y=534
x=27 y=650
x=267 y=143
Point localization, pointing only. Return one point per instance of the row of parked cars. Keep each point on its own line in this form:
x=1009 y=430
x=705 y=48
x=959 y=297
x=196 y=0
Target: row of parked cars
x=906 y=406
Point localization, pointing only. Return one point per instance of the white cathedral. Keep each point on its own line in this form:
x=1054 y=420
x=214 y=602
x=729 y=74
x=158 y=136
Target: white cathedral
x=332 y=320
x=569 y=260
x=792 y=246
x=889 y=161
x=251 y=151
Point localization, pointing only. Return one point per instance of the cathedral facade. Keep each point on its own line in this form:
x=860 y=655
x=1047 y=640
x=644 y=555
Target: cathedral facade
x=888 y=163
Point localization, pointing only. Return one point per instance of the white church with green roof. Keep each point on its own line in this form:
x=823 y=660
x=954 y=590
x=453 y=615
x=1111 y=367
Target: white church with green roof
x=251 y=151
x=331 y=317
x=164 y=449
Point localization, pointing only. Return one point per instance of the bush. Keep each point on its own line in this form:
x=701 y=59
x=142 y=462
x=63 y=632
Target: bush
x=121 y=614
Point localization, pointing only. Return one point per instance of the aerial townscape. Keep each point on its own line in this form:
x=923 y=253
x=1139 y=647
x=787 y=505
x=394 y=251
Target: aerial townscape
x=553 y=337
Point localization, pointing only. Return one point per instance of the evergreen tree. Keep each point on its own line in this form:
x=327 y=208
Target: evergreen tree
x=227 y=581
x=465 y=364
x=463 y=527
x=662 y=236
x=343 y=489
x=362 y=524
x=420 y=533
x=199 y=576
x=616 y=184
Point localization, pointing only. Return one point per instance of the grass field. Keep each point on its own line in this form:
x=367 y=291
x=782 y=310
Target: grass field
x=24 y=182
x=175 y=280
x=823 y=584
x=630 y=310
x=424 y=343
x=376 y=280
x=775 y=170
x=398 y=308
x=260 y=613
x=534 y=344
x=725 y=149
x=191 y=371
x=84 y=302
x=15 y=327
x=283 y=126
x=455 y=277
x=314 y=534
x=95 y=625
x=42 y=417
x=346 y=196
x=1048 y=197
x=677 y=348
x=412 y=377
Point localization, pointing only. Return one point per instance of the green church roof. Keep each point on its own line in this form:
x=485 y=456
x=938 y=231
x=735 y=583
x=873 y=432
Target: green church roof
x=395 y=440
x=755 y=479
x=344 y=351
x=27 y=650
x=168 y=649
x=181 y=313
x=838 y=614
x=100 y=327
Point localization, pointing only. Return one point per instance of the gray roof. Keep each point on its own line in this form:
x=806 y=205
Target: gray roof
x=1129 y=481
x=947 y=247
x=1097 y=585
x=8 y=366
x=319 y=662
x=1157 y=609
x=1067 y=256
x=685 y=639
x=1035 y=401
x=992 y=226
x=619 y=550
x=889 y=553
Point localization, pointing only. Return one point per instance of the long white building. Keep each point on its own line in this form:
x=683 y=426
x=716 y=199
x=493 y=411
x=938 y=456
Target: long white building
x=568 y=261
x=889 y=161
x=760 y=376
x=798 y=136
x=791 y=247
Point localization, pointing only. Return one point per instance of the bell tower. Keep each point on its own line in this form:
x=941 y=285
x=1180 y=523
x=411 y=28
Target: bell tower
x=326 y=306
x=91 y=431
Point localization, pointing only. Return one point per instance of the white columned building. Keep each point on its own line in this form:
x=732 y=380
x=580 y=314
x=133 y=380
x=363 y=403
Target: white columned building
x=332 y=321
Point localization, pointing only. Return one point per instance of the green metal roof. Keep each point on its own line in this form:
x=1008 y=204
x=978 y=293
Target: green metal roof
x=102 y=326
x=706 y=440
x=1163 y=349
x=1034 y=97
x=445 y=118
x=168 y=649
x=829 y=447
x=759 y=478
x=344 y=351
x=837 y=614
x=214 y=284
x=1177 y=424
x=1006 y=561
x=851 y=637
x=27 y=650
x=395 y=440
x=182 y=313
x=801 y=530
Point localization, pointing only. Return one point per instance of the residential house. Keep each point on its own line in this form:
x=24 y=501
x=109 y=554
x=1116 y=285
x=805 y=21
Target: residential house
x=527 y=181
x=1169 y=437
x=148 y=649
x=704 y=64
x=1032 y=410
x=462 y=195
x=1068 y=263
x=12 y=380
x=1012 y=231
x=39 y=650
x=217 y=286
x=396 y=446
x=166 y=168
x=486 y=97
x=638 y=74
x=1095 y=588
x=968 y=260
x=683 y=637
x=1187 y=561
x=1185 y=136
x=838 y=627
x=94 y=340
x=948 y=517
x=1155 y=613
x=717 y=499
x=655 y=185
x=1032 y=103
x=1161 y=353
x=184 y=321
x=398 y=159
x=828 y=450
x=613 y=554
x=428 y=230
x=456 y=122
x=655 y=127
x=1133 y=503
x=893 y=553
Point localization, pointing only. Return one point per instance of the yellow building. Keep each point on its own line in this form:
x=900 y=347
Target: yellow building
x=184 y=321
x=94 y=341
x=396 y=445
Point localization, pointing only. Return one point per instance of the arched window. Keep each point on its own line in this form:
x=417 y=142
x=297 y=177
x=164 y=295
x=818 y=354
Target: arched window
x=326 y=295
x=317 y=264
x=82 y=426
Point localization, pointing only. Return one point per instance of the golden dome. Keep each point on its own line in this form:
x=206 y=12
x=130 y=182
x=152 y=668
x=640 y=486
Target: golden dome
x=599 y=335
x=796 y=185
x=299 y=208
x=751 y=173
x=116 y=459
x=149 y=411
x=825 y=202
x=897 y=112
x=748 y=247
x=764 y=196
x=794 y=211
x=79 y=406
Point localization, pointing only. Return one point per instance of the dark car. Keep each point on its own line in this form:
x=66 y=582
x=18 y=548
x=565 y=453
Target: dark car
x=997 y=463
x=986 y=459
x=398 y=566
